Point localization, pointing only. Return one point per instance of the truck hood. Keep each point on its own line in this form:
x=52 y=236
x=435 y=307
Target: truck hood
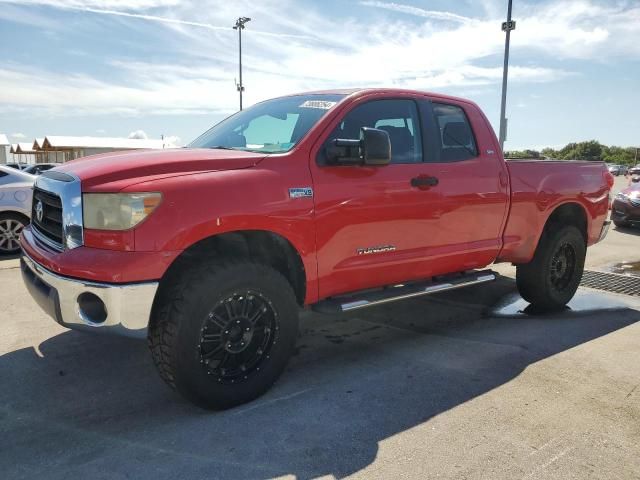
x=117 y=170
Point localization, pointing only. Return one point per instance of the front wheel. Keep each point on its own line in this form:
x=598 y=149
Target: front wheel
x=224 y=335
x=551 y=279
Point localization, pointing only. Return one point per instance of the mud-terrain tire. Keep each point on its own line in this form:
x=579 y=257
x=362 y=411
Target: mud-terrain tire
x=222 y=335
x=552 y=277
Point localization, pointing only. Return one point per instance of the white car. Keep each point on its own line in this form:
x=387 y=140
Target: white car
x=15 y=207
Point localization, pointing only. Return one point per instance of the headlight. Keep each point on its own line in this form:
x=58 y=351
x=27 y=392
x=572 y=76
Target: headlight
x=117 y=211
x=622 y=196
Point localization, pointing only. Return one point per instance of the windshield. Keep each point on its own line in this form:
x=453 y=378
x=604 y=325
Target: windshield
x=274 y=126
x=10 y=175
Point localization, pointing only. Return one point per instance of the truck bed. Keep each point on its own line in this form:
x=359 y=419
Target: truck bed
x=538 y=187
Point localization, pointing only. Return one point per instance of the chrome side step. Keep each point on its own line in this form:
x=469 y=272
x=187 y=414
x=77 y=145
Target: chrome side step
x=369 y=298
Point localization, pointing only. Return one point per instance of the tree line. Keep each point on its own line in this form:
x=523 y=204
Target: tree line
x=589 y=150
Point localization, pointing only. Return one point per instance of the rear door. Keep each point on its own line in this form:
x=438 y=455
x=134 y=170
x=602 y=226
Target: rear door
x=469 y=204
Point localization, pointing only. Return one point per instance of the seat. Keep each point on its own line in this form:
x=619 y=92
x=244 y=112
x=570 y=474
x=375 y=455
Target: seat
x=402 y=149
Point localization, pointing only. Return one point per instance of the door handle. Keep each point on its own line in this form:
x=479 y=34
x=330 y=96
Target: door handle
x=424 y=182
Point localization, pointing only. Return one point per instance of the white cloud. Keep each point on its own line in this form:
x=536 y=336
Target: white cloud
x=106 y=4
x=319 y=50
x=172 y=141
x=18 y=136
x=138 y=134
x=419 y=12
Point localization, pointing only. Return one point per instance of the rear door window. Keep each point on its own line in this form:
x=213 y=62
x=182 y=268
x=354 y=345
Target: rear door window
x=457 y=142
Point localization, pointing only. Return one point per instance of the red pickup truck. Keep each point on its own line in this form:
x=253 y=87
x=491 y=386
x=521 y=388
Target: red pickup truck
x=331 y=200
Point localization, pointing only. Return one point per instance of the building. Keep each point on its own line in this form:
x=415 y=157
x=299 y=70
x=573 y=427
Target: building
x=59 y=149
x=63 y=149
x=23 y=153
x=4 y=148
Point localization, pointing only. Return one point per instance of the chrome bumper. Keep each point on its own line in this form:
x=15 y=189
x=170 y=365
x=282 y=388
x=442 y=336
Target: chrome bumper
x=123 y=309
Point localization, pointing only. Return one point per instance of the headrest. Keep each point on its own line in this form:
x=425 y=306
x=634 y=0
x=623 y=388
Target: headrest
x=456 y=134
x=397 y=133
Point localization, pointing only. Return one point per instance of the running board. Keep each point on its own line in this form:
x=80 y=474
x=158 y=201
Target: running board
x=369 y=298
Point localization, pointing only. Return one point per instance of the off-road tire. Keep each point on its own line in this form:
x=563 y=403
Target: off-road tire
x=176 y=331
x=537 y=280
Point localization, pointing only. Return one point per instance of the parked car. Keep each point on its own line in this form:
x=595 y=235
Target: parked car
x=635 y=170
x=15 y=207
x=625 y=210
x=17 y=166
x=38 y=168
x=334 y=201
x=618 y=170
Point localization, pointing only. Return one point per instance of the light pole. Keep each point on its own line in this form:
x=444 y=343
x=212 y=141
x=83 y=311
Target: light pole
x=240 y=26
x=506 y=27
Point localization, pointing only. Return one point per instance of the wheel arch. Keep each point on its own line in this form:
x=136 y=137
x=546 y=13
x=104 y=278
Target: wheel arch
x=262 y=246
x=16 y=212
x=569 y=213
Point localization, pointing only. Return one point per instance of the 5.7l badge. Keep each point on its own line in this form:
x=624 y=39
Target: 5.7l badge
x=301 y=192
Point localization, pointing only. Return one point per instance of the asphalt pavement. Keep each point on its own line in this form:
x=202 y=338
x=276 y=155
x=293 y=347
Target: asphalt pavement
x=460 y=385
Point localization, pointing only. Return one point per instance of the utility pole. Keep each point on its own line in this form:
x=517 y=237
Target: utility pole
x=506 y=27
x=240 y=26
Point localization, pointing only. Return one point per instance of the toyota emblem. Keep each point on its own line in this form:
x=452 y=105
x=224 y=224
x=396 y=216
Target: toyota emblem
x=39 y=211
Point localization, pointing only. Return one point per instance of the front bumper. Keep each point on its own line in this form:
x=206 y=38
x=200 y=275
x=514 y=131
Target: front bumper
x=122 y=309
x=625 y=212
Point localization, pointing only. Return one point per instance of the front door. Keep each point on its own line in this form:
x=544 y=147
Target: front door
x=366 y=217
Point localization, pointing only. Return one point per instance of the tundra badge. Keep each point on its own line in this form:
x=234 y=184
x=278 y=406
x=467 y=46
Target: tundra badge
x=376 y=249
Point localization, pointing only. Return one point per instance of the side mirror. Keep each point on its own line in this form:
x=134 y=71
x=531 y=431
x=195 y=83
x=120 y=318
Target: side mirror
x=373 y=148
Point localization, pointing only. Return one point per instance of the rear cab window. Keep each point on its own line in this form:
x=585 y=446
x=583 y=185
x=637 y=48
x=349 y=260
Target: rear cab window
x=455 y=141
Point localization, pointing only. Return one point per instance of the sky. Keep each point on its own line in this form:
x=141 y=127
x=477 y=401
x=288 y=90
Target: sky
x=167 y=67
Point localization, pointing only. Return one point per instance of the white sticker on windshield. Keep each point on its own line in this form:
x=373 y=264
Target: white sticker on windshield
x=321 y=104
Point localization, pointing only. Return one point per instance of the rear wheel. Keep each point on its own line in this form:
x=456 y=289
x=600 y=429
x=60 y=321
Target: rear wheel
x=551 y=279
x=224 y=335
x=11 y=225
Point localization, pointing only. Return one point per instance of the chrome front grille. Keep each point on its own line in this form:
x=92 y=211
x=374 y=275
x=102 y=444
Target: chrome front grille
x=56 y=215
x=46 y=216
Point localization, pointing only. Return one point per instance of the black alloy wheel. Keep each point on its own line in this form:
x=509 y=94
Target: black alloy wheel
x=237 y=336
x=563 y=266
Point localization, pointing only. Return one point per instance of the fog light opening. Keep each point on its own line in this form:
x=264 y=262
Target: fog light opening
x=91 y=308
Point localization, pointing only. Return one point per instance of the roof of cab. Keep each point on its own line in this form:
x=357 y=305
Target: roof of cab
x=379 y=90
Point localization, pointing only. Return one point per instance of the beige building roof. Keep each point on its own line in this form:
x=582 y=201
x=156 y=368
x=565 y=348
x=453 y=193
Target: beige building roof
x=24 y=148
x=58 y=142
